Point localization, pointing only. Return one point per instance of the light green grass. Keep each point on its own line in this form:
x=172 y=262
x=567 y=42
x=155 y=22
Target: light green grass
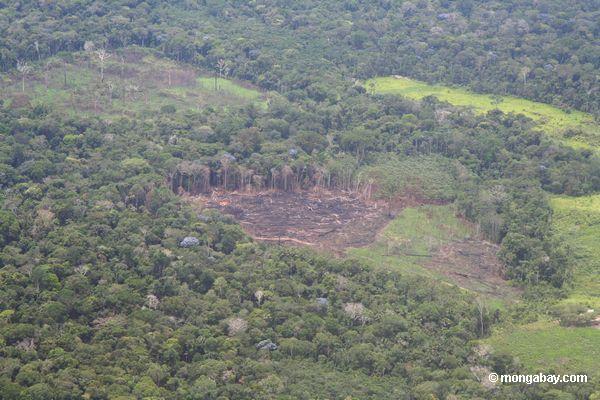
x=551 y=120
x=230 y=87
x=544 y=346
x=413 y=236
x=576 y=221
x=137 y=87
x=407 y=243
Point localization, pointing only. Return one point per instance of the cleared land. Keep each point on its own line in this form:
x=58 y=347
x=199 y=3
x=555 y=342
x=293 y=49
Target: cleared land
x=552 y=120
x=430 y=240
x=426 y=240
x=132 y=82
x=321 y=219
x=545 y=345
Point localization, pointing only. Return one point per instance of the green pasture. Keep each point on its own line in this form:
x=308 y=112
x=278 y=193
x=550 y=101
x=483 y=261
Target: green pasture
x=576 y=221
x=545 y=346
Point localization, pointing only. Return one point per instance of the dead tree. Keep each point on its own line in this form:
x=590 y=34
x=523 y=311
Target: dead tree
x=24 y=69
x=226 y=161
x=89 y=47
x=286 y=173
x=102 y=55
x=36 y=45
x=481 y=310
x=525 y=73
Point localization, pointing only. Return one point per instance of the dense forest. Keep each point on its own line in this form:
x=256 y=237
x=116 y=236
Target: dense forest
x=113 y=285
x=544 y=50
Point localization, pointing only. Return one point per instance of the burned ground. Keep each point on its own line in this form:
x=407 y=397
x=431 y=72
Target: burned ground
x=321 y=219
x=335 y=221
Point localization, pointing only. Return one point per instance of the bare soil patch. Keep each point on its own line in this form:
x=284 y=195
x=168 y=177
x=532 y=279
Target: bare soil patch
x=321 y=219
x=474 y=265
x=334 y=221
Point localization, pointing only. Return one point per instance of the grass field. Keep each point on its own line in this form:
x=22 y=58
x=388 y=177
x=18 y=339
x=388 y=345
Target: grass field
x=544 y=346
x=413 y=240
x=135 y=83
x=417 y=232
x=551 y=120
x=577 y=222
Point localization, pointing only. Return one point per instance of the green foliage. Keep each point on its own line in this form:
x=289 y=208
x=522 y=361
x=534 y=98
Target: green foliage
x=545 y=346
x=427 y=177
x=98 y=299
x=552 y=120
x=576 y=222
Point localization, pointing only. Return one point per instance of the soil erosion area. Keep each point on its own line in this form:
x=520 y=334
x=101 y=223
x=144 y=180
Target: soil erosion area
x=321 y=219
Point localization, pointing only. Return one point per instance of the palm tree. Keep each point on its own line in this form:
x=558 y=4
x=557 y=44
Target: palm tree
x=223 y=69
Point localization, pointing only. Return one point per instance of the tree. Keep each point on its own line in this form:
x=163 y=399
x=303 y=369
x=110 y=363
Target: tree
x=223 y=69
x=481 y=313
x=525 y=73
x=9 y=227
x=24 y=69
x=236 y=325
x=102 y=55
x=357 y=312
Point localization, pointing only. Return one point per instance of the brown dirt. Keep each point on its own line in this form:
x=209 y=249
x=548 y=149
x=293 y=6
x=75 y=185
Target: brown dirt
x=473 y=265
x=321 y=219
x=334 y=221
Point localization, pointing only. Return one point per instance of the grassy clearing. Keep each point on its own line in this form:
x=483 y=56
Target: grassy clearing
x=412 y=237
x=135 y=83
x=552 y=120
x=431 y=241
x=417 y=232
x=577 y=222
x=544 y=346
x=228 y=86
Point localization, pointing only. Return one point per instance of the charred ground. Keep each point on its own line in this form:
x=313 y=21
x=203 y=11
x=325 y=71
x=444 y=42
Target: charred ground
x=338 y=222
x=322 y=219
